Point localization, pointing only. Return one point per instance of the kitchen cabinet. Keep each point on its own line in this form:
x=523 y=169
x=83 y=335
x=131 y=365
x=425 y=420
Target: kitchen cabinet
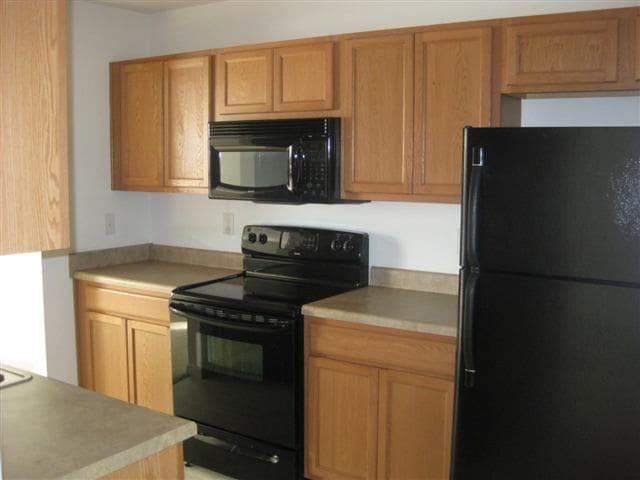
x=406 y=100
x=379 y=402
x=159 y=115
x=124 y=345
x=296 y=78
x=637 y=48
x=34 y=139
x=452 y=90
x=570 y=52
x=377 y=89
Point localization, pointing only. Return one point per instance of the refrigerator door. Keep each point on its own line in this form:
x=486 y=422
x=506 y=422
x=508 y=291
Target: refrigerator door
x=556 y=389
x=560 y=202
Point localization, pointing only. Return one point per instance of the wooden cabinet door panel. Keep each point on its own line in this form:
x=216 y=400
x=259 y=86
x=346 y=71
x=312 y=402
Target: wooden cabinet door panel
x=561 y=53
x=377 y=83
x=453 y=89
x=342 y=420
x=637 y=48
x=34 y=152
x=140 y=149
x=303 y=77
x=186 y=113
x=244 y=82
x=108 y=344
x=416 y=414
x=149 y=360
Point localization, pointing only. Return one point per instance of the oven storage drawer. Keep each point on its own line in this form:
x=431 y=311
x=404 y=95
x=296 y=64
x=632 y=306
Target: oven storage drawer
x=239 y=456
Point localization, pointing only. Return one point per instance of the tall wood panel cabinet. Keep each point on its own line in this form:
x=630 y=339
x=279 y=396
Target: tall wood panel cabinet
x=379 y=402
x=124 y=345
x=34 y=165
x=406 y=100
x=159 y=115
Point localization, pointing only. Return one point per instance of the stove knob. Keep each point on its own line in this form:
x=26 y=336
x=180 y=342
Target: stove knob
x=348 y=246
x=263 y=238
x=252 y=237
x=336 y=245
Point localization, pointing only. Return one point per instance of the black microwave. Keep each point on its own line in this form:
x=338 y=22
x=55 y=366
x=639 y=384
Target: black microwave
x=284 y=161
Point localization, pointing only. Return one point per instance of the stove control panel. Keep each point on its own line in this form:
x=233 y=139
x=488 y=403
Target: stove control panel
x=306 y=243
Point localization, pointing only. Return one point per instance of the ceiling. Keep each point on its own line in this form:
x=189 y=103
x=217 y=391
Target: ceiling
x=151 y=6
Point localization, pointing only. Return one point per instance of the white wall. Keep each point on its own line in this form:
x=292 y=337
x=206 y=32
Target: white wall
x=237 y=22
x=22 y=332
x=403 y=235
x=100 y=35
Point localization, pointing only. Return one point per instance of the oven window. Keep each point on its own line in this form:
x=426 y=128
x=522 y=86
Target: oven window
x=232 y=358
x=254 y=169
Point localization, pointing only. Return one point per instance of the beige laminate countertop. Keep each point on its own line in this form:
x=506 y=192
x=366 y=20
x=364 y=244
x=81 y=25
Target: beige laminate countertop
x=417 y=311
x=152 y=275
x=412 y=310
x=55 y=430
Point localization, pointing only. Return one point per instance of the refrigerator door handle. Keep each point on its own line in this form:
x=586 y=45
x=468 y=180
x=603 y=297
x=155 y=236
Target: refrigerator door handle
x=471 y=227
x=468 y=312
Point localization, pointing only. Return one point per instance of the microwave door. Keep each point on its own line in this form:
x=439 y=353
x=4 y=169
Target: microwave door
x=250 y=171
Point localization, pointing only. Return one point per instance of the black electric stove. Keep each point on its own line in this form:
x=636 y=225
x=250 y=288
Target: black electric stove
x=237 y=348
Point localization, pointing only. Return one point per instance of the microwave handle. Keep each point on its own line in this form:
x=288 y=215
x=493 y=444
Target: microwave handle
x=294 y=169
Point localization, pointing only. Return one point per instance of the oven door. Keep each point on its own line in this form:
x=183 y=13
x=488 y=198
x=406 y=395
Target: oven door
x=237 y=376
x=253 y=172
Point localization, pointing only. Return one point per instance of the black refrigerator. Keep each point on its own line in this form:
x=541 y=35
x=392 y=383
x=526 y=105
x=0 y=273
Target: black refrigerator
x=548 y=367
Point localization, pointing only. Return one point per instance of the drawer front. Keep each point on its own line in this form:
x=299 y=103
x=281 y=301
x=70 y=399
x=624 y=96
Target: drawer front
x=384 y=348
x=129 y=305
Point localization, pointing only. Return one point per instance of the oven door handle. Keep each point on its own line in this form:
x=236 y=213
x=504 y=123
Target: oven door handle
x=273 y=330
x=237 y=449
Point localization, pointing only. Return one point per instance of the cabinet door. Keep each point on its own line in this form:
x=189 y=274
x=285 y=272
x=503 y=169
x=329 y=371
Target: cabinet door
x=569 y=52
x=108 y=355
x=34 y=170
x=637 y=48
x=137 y=122
x=416 y=414
x=342 y=403
x=377 y=88
x=186 y=113
x=303 y=78
x=244 y=82
x=453 y=89
x=149 y=359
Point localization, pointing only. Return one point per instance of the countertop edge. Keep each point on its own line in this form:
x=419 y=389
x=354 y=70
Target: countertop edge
x=141 y=451
x=379 y=321
x=124 y=283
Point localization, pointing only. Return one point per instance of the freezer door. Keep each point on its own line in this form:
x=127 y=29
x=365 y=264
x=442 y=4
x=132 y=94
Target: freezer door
x=553 y=201
x=556 y=388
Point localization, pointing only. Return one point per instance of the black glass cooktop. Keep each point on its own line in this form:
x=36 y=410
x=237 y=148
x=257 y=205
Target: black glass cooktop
x=246 y=292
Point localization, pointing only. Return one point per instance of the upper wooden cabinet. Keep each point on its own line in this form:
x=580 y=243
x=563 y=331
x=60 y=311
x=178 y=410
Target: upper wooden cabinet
x=298 y=78
x=244 y=82
x=159 y=115
x=303 y=78
x=637 y=48
x=453 y=89
x=34 y=152
x=377 y=106
x=570 y=52
x=404 y=112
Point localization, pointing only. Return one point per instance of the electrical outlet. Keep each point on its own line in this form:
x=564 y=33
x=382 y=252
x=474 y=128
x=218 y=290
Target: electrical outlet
x=109 y=224
x=227 y=223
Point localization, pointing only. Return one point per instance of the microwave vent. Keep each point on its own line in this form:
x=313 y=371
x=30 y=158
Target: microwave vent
x=299 y=128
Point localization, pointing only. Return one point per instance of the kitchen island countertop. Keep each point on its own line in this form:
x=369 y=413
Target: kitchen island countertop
x=51 y=429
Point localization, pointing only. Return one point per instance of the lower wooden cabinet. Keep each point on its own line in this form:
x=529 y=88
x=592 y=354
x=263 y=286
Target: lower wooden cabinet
x=124 y=345
x=371 y=414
